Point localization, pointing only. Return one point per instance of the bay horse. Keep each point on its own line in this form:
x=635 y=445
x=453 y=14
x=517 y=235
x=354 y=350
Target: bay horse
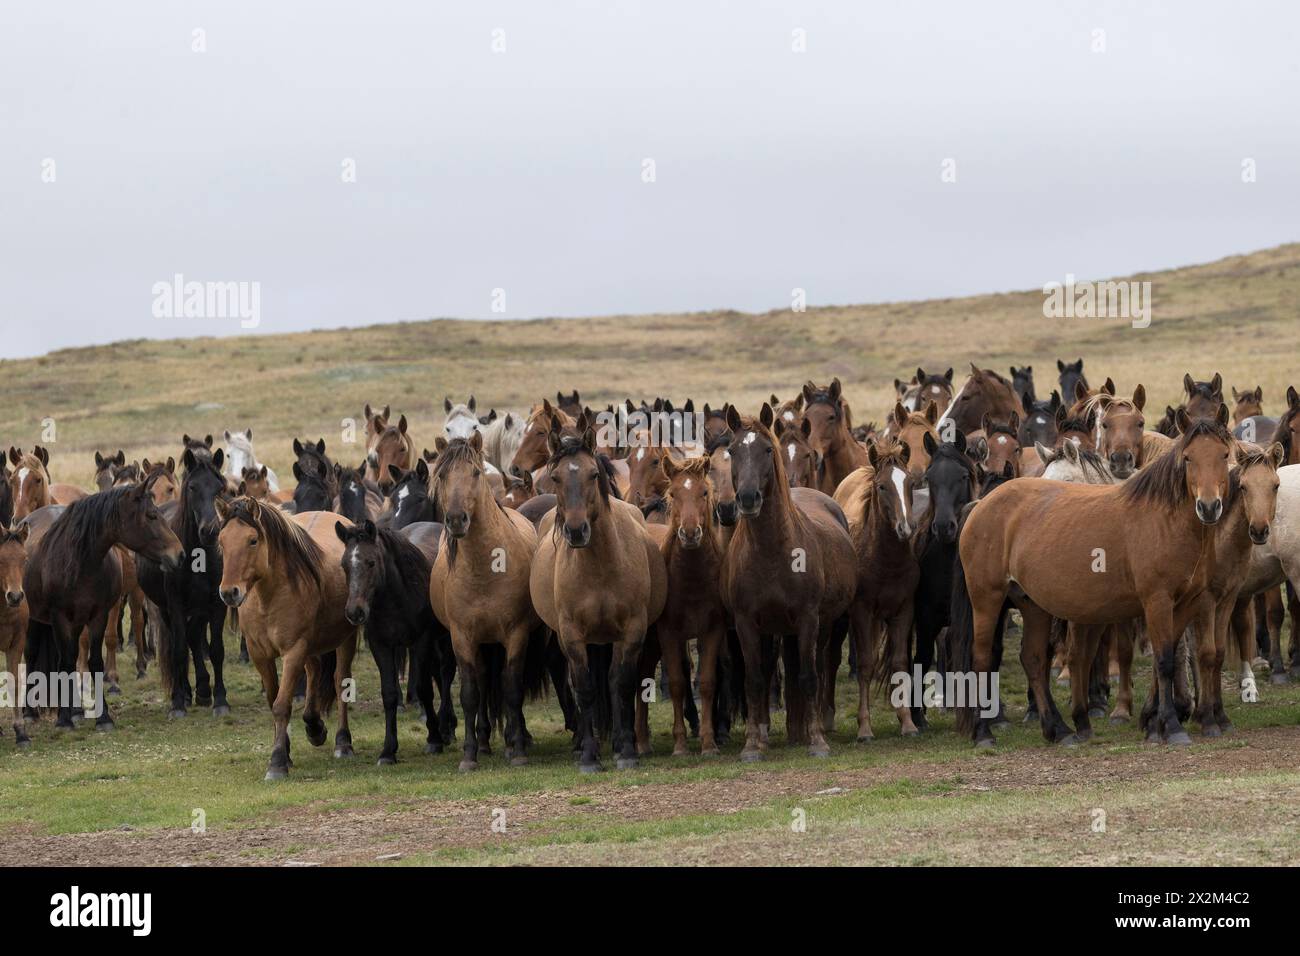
x=30 y=485
x=910 y=428
x=831 y=435
x=1151 y=535
x=106 y=468
x=796 y=543
x=392 y=447
x=188 y=593
x=802 y=463
x=73 y=578
x=692 y=553
x=479 y=590
x=519 y=490
x=285 y=575
x=1080 y=429
x=597 y=578
x=1247 y=404
x=984 y=393
x=1121 y=434
x=240 y=457
x=1203 y=398
x=877 y=501
x=255 y=483
x=387 y=575
x=1002 y=443
x=166 y=486
x=926 y=388
x=13 y=618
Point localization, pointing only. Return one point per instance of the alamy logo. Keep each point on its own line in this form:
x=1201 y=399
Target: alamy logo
x=1098 y=300
x=75 y=908
x=180 y=299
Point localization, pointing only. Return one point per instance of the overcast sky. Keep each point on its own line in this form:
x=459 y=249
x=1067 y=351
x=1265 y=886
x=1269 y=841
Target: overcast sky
x=524 y=170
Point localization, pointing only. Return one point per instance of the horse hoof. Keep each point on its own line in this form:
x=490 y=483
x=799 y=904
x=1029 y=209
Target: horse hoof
x=23 y=743
x=1031 y=717
x=866 y=739
x=315 y=732
x=467 y=765
x=986 y=743
x=1073 y=740
x=1180 y=739
x=1120 y=719
x=221 y=710
x=113 y=690
x=1211 y=730
x=176 y=713
x=627 y=763
x=1227 y=726
x=819 y=751
x=105 y=726
x=911 y=733
x=1096 y=713
x=714 y=752
x=1279 y=678
x=385 y=761
x=519 y=760
x=344 y=750
x=276 y=773
x=590 y=768
x=432 y=748
x=751 y=756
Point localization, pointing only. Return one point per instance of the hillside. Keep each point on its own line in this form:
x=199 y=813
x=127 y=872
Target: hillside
x=1237 y=316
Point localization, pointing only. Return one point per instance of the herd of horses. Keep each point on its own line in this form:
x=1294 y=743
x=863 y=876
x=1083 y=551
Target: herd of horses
x=550 y=553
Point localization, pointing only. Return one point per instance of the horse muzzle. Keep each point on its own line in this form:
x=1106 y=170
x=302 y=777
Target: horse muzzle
x=749 y=503
x=691 y=540
x=1259 y=535
x=1121 y=464
x=726 y=513
x=357 y=615
x=457 y=525
x=13 y=598
x=1209 y=511
x=233 y=597
x=578 y=537
x=171 y=560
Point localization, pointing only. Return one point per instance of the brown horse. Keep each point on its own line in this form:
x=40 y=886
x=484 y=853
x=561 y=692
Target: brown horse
x=877 y=502
x=1122 y=438
x=285 y=576
x=30 y=483
x=1080 y=429
x=692 y=551
x=832 y=434
x=392 y=446
x=13 y=618
x=1093 y=555
x=1287 y=433
x=1002 y=444
x=106 y=469
x=479 y=590
x=1203 y=398
x=1247 y=404
x=910 y=428
x=532 y=453
x=165 y=486
x=985 y=393
x=254 y=483
x=802 y=463
x=597 y=578
x=788 y=574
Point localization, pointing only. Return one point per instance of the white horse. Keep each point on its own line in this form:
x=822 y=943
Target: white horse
x=501 y=439
x=461 y=420
x=239 y=455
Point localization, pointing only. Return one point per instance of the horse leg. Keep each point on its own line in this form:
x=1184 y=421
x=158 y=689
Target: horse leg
x=112 y=639
x=344 y=693
x=217 y=654
x=1274 y=615
x=831 y=653
x=1163 y=629
x=796 y=714
x=471 y=690
x=898 y=632
x=103 y=719
x=1099 y=675
x=710 y=642
x=673 y=648
x=135 y=603
x=1293 y=603
x=756 y=683
x=651 y=653
x=1239 y=624
x=1083 y=643
x=928 y=624
x=446 y=659
x=14 y=662
x=558 y=669
x=62 y=663
x=1207 y=650
x=516 y=729
x=295 y=664
x=195 y=636
x=1036 y=658
x=862 y=628
x=810 y=636
x=1123 y=636
x=311 y=706
x=585 y=690
x=390 y=690
x=622 y=685
x=423 y=651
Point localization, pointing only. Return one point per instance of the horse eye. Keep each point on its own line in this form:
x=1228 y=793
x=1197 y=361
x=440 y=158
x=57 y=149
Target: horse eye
x=370 y=564
x=252 y=542
x=476 y=472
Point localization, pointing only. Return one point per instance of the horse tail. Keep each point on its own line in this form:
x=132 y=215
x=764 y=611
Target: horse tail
x=961 y=641
x=322 y=687
x=535 y=676
x=173 y=653
x=494 y=662
x=600 y=657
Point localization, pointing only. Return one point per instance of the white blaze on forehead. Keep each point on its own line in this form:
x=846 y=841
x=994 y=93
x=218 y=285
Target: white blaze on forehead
x=792 y=448
x=640 y=453
x=1002 y=439
x=686 y=483
x=749 y=438
x=402 y=492
x=22 y=477
x=573 y=466
x=897 y=475
x=788 y=415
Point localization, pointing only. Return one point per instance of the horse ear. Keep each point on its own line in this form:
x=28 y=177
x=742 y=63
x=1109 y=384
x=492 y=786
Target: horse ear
x=1223 y=414
x=43 y=454
x=1015 y=422
x=396 y=473
x=446 y=404
x=440 y=443
x=218 y=457
x=805 y=426
x=369 y=530
x=667 y=464
x=322 y=470
x=341 y=531
x=361 y=469
x=1060 y=366
x=1189 y=386
x=589 y=439
x=227 y=434
x=1044 y=453
x=1071 y=452
x=1080 y=391
x=1259 y=393
x=369 y=414
x=1216 y=384
x=733 y=416
x=248 y=433
x=99 y=460
x=187 y=459
x=835 y=389
x=1007 y=471
x=401 y=424
x=473 y=406
x=1235 y=395
x=778 y=427
x=476 y=440
x=320 y=446
x=1055 y=401
x=1060 y=416
x=171 y=465
x=1109 y=387
x=899 y=387
x=920 y=374
x=906 y=452
x=388 y=410
x=510 y=421
x=928 y=442
x=297 y=447
x=576 y=399
x=223 y=509
x=985 y=423
x=15 y=456
x=798 y=402
x=807 y=392
x=1139 y=397
x=262 y=471
x=932 y=413
x=145 y=466
x=766 y=415
x=1292 y=401
x=959 y=439
x=900 y=414
x=422 y=470
x=120 y=458
x=297 y=472
x=1275 y=451
x=873 y=455
x=1182 y=420
x=491 y=415
x=948 y=376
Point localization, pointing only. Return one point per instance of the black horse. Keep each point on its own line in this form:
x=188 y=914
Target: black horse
x=388 y=592
x=188 y=595
x=410 y=500
x=73 y=579
x=1039 y=424
x=317 y=484
x=1071 y=376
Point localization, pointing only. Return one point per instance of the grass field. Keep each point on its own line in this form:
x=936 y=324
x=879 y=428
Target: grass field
x=131 y=796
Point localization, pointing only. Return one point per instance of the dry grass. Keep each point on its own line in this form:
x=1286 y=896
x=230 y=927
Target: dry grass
x=1236 y=316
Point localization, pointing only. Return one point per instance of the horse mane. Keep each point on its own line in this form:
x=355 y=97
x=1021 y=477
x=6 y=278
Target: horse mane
x=412 y=565
x=1090 y=462
x=1164 y=481
x=69 y=544
x=302 y=556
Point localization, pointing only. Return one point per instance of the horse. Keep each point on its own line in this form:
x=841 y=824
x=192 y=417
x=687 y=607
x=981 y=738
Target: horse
x=1070 y=377
x=1247 y=404
x=501 y=440
x=73 y=578
x=106 y=468
x=597 y=578
x=1166 y=426
x=1002 y=443
x=255 y=483
x=1078 y=429
x=926 y=388
x=387 y=575
x=479 y=590
x=802 y=463
x=461 y=422
x=30 y=485
x=570 y=404
x=317 y=483
x=1203 y=398
x=910 y=428
x=984 y=393
x=13 y=617
x=1022 y=382
x=519 y=490
x=1150 y=538
x=692 y=554
x=532 y=452
x=392 y=447
x=1039 y=423
x=359 y=498
x=1120 y=435
x=285 y=575
x=795 y=541
x=410 y=500
x=831 y=435
x=188 y=594
x=240 y=457
x=877 y=502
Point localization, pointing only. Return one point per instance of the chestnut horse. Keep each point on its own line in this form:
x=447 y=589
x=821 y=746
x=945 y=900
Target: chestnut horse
x=1121 y=438
x=831 y=435
x=1203 y=398
x=392 y=447
x=285 y=576
x=532 y=452
x=597 y=578
x=479 y=590
x=788 y=573
x=802 y=463
x=1093 y=555
x=30 y=484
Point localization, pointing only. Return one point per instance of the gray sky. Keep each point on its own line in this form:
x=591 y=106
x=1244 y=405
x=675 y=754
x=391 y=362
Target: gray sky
x=522 y=170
